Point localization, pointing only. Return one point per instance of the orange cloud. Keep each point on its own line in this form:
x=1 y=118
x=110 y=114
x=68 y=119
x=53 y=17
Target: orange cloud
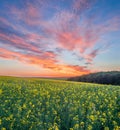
x=48 y=63
x=32 y=38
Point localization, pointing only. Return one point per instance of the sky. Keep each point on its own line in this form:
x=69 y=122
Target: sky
x=59 y=38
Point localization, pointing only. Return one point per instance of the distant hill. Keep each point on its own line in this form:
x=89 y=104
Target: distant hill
x=112 y=77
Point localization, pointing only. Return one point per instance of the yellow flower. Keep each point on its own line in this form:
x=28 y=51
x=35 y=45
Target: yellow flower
x=82 y=123
x=117 y=128
x=109 y=113
x=3 y=128
x=119 y=114
x=83 y=104
x=106 y=128
x=1 y=91
x=92 y=117
x=98 y=113
x=89 y=127
x=76 y=126
x=76 y=117
x=56 y=127
x=114 y=123
x=24 y=105
x=54 y=112
x=103 y=120
x=0 y=121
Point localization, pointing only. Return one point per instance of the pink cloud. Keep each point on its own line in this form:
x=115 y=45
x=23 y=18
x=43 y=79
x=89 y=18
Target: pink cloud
x=89 y=57
x=66 y=30
x=31 y=14
x=3 y=20
x=19 y=43
x=81 y=37
x=6 y=22
x=45 y=63
x=32 y=11
x=82 y=5
x=77 y=38
x=33 y=36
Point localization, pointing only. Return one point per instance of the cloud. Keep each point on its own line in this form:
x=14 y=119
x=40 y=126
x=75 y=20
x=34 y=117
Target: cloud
x=79 y=6
x=32 y=36
x=46 y=61
x=5 y=22
x=18 y=43
x=89 y=57
x=30 y=13
x=68 y=34
x=72 y=35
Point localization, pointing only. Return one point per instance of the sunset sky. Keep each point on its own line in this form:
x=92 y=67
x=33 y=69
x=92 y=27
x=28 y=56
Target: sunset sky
x=59 y=38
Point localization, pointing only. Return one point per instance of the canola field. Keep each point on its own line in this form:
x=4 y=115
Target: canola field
x=43 y=104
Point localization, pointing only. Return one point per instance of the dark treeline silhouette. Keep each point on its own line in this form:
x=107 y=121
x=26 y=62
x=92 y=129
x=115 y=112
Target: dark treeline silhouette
x=112 y=77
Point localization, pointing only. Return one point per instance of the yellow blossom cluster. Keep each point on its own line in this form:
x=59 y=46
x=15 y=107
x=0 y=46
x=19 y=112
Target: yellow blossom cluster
x=43 y=104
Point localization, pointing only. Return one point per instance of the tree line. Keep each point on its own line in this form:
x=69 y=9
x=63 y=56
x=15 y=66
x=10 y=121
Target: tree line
x=112 y=77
